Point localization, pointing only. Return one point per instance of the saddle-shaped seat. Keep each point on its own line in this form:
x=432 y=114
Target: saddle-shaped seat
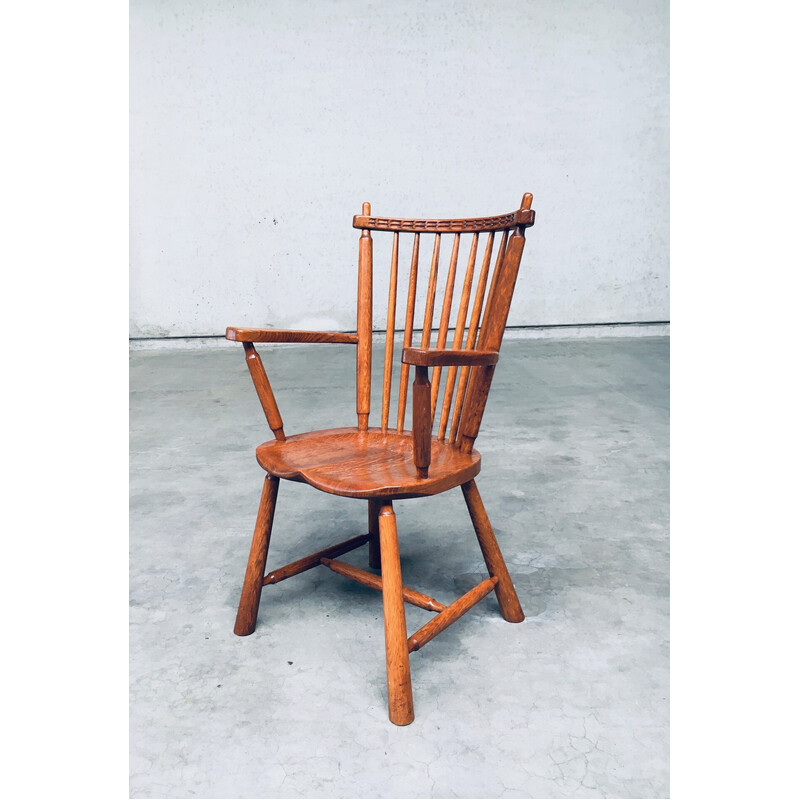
x=371 y=463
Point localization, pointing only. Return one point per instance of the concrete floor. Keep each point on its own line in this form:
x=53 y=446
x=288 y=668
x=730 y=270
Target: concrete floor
x=573 y=702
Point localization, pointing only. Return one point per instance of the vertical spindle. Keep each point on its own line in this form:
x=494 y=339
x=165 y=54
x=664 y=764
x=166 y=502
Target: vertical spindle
x=364 y=348
x=408 y=333
x=461 y=320
x=444 y=319
x=390 y=315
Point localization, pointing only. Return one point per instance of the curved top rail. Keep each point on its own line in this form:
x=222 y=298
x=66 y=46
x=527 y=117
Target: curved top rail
x=523 y=218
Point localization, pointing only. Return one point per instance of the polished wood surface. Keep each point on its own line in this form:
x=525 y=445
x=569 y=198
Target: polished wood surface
x=450 y=614
x=505 y=591
x=314 y=560
x=375 y=582
x=422 y=421
x=444 y=318
x=427 y=324
x=353 y=463
x=522 y=217
x=373 y=509
x=389 y=352
x=364 y=352
x=491 y=334
x=398 y=667
x=251 y=591
x=472 y=335
x=418 y=356
x=390 y=462
x=264 y=390
x=281 y=336
x=408 y=333
x=458 y=337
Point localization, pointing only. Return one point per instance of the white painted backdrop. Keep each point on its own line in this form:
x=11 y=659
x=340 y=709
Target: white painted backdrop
x=258 y=127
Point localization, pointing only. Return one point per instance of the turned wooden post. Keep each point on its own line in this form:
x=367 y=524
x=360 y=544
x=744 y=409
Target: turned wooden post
x=505 y=591
x=364 y=349
x=264 y=390
x=398 y=668
x=373 y=510
x=450 y=614
x=254 y=575
x=422 y=422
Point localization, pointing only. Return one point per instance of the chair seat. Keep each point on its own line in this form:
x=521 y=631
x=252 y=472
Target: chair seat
x=353 y=463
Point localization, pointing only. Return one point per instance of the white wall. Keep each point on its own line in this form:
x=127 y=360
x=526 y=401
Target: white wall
x=258 y=128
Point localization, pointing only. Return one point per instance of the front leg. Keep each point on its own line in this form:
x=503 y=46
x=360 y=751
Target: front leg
x=254 y=576
x=398 y=668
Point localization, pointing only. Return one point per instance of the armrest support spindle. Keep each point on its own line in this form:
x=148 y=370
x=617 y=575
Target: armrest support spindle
x=264 y=390
x=422 y=421
x=422 y=358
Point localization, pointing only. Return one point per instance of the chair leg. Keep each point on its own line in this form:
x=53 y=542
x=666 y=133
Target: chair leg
x=398 y=669
x=505 y=591
x=375 y=539
x=254 y=576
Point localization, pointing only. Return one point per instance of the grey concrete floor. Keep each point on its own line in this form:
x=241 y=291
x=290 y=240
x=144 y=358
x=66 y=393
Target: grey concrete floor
x=573 y=702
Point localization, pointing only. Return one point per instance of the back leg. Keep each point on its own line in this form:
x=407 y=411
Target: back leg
x=505 y=591
x=375 y=539
x=254 y=576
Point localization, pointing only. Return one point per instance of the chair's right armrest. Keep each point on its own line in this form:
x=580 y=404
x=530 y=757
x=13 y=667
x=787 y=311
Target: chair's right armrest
x=272 y=335
x=431 y=357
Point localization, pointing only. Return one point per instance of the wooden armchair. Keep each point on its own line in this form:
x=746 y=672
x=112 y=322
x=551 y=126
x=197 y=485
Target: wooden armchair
x=380 y=464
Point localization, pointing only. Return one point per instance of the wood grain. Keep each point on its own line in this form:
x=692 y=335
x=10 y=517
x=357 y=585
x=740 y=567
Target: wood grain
x=281 y=336
x=472 y=334
x=491 y=334
x=495 y=563
x=444 y=319
x=375 y=582
x=450 y=614
x=458 y=337
x=398 y=669
x=521 y=217
x=373 y=509
x=264 y=390
x=380 y=465
x=314 y=560
x=364 y=352
x=353 y=463
x=254 y=574
x=422 y=421
x=390 y=315
x=407 y=334
x=427 y=322
x=417 y=356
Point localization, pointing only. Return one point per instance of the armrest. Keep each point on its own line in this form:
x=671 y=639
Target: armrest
x=422 y=418
x=272 y=335
x=430 y=357
x=247 y=336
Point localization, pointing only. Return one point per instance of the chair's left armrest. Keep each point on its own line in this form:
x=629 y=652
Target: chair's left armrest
x=272 y=335
x=431 y=357
x=248 y=336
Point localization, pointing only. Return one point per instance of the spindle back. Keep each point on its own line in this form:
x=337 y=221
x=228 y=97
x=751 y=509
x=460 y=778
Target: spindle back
x=480 y=318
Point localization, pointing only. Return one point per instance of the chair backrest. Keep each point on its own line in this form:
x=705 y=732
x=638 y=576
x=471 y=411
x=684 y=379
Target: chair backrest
x=478 y=324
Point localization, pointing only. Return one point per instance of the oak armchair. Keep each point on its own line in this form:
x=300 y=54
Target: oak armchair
x=381 y=464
